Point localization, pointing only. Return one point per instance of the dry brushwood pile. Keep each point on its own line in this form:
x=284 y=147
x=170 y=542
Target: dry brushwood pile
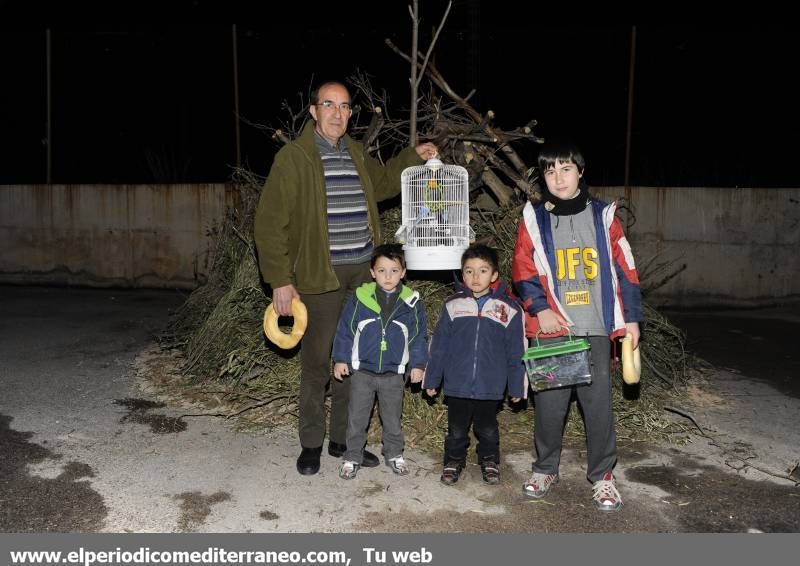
x=218 y=331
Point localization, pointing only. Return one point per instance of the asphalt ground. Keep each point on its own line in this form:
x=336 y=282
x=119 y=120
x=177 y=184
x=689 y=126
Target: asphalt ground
x=88 y=447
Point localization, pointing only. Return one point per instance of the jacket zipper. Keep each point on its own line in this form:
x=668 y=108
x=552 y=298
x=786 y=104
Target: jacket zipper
x=383 y=345
x=475 y=351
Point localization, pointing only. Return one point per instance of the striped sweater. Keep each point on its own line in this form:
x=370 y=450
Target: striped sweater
x=348 y=224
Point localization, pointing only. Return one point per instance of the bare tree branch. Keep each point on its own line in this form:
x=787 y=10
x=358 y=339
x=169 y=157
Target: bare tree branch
x=414 y=82
x=521 y=184
x=418 y=71
x=433 y=41
x=374 y=128
x=433 y=74
x=280 y=136
x=501 y=191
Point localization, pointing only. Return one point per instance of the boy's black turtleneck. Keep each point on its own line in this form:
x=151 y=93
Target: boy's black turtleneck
x=575 y=205
x=386 y=301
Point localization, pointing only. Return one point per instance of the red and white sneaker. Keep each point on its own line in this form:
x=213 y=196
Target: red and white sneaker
x=539 y=484
x=605 y=494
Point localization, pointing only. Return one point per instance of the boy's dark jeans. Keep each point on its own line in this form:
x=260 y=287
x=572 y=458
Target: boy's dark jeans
x=482 y=415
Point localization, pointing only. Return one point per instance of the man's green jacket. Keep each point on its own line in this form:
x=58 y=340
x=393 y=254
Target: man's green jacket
x=291 y=224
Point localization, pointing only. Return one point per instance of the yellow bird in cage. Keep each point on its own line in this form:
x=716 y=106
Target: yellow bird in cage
x=432 y=195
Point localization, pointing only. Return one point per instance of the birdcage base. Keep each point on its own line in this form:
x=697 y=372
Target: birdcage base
x=433 y=258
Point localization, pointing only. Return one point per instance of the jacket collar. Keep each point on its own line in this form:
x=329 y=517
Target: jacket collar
x=366 y=296
x=308 y=143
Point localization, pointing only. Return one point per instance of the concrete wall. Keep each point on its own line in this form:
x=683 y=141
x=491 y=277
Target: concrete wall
x=108 y=235
x=728 y=246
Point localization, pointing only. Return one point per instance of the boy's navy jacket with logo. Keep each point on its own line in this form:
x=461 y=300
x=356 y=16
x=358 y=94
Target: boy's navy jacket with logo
x=477 y=352
x=364 y=342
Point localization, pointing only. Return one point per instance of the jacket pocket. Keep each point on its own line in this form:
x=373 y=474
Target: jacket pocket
x=365 y=345
x=399 y=344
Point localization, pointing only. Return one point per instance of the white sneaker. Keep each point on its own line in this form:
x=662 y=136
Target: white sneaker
x=605 y=494
x=398 y=465
x=349 y=470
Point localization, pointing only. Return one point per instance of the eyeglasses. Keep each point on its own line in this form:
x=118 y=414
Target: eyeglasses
x=344 y=107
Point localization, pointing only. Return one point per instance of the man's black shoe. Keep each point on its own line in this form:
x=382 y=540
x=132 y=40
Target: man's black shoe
x=336 y=449
x=370 y=460
x=308 y=461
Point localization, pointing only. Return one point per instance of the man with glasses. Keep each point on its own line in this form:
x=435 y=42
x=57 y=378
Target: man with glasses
x=315 y=227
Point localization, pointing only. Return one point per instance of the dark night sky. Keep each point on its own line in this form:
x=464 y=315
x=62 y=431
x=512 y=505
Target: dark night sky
x=713 y=107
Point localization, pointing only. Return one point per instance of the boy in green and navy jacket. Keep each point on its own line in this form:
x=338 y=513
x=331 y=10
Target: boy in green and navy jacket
x=382 y=332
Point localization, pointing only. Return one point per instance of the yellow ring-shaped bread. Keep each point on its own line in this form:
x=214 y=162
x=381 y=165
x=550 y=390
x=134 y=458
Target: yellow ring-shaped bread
x=278 y=336
x=631 y=361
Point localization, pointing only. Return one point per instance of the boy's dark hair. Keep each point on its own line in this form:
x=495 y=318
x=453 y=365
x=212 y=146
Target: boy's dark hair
x=391 y=251
x=560 y=150
x=484 y=252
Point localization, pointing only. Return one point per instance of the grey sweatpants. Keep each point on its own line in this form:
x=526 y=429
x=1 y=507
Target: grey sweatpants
x=550 y=412
x=363 y=389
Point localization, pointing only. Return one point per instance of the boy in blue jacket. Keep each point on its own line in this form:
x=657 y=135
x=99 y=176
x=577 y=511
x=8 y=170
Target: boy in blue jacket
x=477 y=350
x=382 y=332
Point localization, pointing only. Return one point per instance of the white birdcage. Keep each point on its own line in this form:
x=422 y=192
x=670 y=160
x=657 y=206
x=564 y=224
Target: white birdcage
x=435 y=229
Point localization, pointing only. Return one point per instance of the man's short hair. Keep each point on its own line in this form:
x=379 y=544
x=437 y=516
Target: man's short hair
x=315 y=93
x=484 y=252
x=391 y=251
